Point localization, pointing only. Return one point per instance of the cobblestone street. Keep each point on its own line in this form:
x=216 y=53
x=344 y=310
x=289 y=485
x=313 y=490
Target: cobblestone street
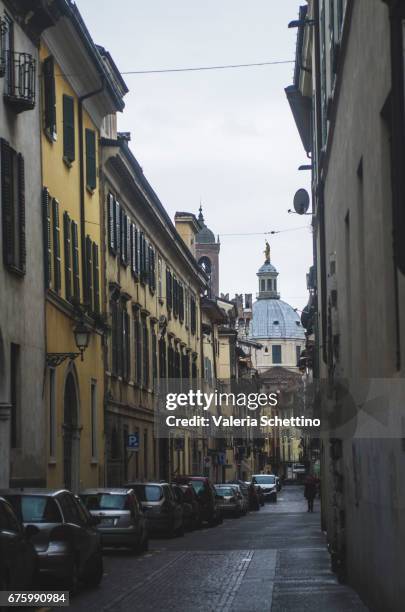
x=274 y=560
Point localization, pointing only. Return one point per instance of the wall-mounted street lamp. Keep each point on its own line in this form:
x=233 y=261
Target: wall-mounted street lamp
x=299 y=23
x=82 y=338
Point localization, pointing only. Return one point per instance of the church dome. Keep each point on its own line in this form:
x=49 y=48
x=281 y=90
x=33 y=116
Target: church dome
x=273 y=318
x=205 y=235
x=266 y=268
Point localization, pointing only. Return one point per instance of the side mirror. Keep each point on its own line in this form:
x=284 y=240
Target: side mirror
x=30 y=531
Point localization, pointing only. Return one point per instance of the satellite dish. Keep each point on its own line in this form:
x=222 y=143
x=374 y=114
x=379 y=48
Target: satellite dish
x=301 y=201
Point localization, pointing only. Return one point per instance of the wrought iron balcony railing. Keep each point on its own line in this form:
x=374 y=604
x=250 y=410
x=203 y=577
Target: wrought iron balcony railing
x=19 y=92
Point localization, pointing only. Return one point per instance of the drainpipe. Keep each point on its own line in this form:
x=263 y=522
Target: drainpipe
x=82 y=184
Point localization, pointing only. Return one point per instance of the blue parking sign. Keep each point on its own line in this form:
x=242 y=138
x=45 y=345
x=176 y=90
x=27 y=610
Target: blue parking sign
x=133 y=442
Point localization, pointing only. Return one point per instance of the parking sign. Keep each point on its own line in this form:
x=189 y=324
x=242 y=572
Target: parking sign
x=133 y=442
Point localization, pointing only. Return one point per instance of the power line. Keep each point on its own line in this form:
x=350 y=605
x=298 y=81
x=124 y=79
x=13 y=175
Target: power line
x=294 y=229
x=194 y=68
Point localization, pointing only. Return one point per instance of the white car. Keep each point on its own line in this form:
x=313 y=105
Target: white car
x=268 y=485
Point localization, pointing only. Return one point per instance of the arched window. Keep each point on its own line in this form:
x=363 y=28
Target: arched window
x=269 y=287
x=206 y=265
x=263 y=285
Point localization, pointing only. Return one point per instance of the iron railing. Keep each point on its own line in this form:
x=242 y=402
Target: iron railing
x=20 y=81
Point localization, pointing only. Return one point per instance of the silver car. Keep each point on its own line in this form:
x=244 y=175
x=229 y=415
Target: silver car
x=243 y=499
x=229 y=500
x=122 y=522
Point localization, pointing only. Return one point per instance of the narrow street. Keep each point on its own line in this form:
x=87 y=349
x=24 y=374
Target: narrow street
x=274 y=559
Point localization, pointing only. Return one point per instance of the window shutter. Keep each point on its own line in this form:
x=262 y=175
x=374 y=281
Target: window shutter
x=21 y=212
x=75 y=259
x=49 y=95
x=181 y=302
x=112 y=241
x=169 y=293
x=152 y=268
x=137 y=252
x=138 y=349
x=7 y=202
x=56 y=246
x=96 y=279
x=91 y=169
x=128 y=242
x=126 y=346
x=89 y=273
x=146 y=262
x=120 y=346
x=68 y=128
x=46 y=215
x=67 y=255
x=118 y=227
x=114 y=336
x=132 y=250
x=123 y=235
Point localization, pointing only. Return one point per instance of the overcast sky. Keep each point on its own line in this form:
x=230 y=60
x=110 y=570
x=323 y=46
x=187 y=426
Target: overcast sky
x=226 y=136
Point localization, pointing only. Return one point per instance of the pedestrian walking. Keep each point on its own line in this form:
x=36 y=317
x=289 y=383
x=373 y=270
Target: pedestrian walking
x=310 y=487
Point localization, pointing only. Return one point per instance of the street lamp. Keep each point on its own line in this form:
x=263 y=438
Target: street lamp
x=82 y=338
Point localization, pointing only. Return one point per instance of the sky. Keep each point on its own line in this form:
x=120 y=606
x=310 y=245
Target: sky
x=226 y=138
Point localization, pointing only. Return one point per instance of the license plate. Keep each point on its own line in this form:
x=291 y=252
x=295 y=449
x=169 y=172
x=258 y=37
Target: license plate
x=107 y=522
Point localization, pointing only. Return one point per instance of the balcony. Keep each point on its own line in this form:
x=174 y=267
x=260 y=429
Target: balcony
x=19 y=92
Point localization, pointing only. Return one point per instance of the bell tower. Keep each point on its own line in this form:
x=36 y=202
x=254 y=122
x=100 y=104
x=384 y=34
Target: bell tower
x=207 y=254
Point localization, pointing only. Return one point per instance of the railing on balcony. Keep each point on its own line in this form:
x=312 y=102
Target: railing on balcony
x=19 y=92
x=3 y=32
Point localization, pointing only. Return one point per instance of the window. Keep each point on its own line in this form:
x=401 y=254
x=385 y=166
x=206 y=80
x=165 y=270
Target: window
x=269 y=284
x=112 y=224
x=152 y=269
x=96 y=280
x=126 y=338
x=181 y=302
x=48 y=73
x=145 y=453
x=67 y=242
x=115 y=338
x=68 y=129
x=138 y=348
x=93 y=417
x=52 y=413
x=160 y=286
x=91 y=168
x=57 y=280
x=13 y=208
x=263 y=285
x=75 y=260
x=15 y=393
x=169 y=289
x=154 y=354
x=162 y=358
x=89 y=274
x=276 y=353
x=145 y=341
x=193 y=316
x=298 y=354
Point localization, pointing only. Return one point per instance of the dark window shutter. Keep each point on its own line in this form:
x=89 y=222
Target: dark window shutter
x=145 y=352
x=75 y=260
x=7 y=201
x=114 y=338
x=68 y=128
x=137 y=252
x=89 y=273
x=91 y=168
x=46 y=215
x=128 y=242
x=132 y=250
x=21 y=212
x=118 y=226
x=112 y=241
x=169 y=292
x=154 y=355
x=146 y=262
x=193 y=321
x=96 y=279
x=126 y=346
x=67 y=254
x=138 y=349
x=124 y=219
x=120 y=346
x=56 y=246
x=49 y=95
x=181 y=302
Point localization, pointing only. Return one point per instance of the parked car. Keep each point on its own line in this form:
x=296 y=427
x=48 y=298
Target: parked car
x=278 y=483
x=122 y=522
x=18 y=558
x=242 y=499
x=67 y=542
x=191 y=498
x=210 y=510
x=229 y=500
x=244 y=489
x=163 y=512
x=268 y=484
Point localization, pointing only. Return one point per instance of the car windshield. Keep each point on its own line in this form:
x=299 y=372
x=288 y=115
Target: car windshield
x=198 y=485
x=148 y=493
x=225 y=491
x=269 y=479
x=105 y=501
x=35 y=508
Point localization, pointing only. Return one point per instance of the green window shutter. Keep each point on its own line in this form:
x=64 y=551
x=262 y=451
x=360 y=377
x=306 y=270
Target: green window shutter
x=112 y=241
x=56 y=246
x=67 y=255
x=132 y=247
x=91 y=167
x=49 y=96
x=7 y=198
x=142 y=256
x=89 y=274
x=128 y=242
x=68 y=128
x=21 y=212
x=75 y=260
x=46 y=215
x=96 y=279
x=118 y=227
x=123 y=234
x=137 y=252
x=146 y=262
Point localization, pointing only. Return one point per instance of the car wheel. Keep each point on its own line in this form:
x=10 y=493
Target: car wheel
x=95 y=575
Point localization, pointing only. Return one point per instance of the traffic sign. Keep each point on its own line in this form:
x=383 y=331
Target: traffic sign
x=133 y=442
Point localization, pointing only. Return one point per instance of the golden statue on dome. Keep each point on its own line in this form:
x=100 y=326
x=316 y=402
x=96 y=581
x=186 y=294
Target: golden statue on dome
x=267 y=252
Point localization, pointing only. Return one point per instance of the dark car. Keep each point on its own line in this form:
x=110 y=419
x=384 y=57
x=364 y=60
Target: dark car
x=163 y=512
x=210 y=510
x=122 y=522
x=191 y=498
x=67 y=543
x=18 y=559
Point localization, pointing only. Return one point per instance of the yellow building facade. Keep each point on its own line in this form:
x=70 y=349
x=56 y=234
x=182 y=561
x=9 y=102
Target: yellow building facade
x=74 y=102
